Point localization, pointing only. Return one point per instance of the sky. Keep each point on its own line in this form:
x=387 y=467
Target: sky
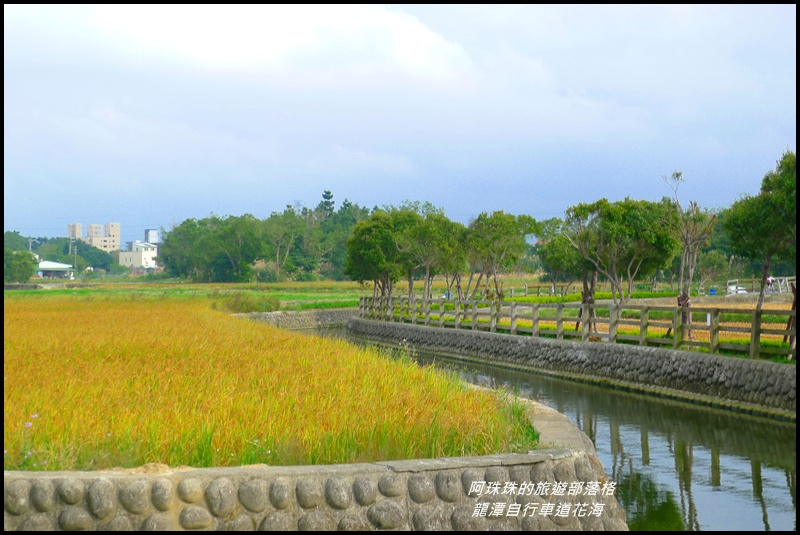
x=151 y=115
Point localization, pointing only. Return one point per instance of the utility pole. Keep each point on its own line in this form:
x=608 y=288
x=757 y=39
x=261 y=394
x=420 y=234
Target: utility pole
x=73 y=249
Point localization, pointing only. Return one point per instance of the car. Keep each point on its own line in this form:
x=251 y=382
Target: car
x=732 y=290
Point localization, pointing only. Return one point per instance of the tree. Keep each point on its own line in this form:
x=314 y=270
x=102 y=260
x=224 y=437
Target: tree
x=692 y=229
x=15 y=241
x=213 y=249
x=559 y=258
x=281 y=232
x=18 y=266
x=372 y=253
x=764 y=227
x=622 y=240
x=237 y=244
x=712 y=266
x=336 y=229
x=493 y=243
x=180 y=252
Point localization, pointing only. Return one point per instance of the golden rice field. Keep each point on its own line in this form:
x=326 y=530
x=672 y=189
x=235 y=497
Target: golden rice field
x=99 y=382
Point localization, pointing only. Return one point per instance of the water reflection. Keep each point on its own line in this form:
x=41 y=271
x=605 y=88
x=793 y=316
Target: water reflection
x=677 y=466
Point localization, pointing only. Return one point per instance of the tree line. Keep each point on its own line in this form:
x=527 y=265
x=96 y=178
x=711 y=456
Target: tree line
x=620 y=242
x=19 y=265
x=298 y=243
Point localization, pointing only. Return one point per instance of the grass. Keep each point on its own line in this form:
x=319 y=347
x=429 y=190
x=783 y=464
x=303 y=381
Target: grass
x=94 y=381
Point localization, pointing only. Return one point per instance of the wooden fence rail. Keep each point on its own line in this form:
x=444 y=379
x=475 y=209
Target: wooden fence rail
x=763 y=332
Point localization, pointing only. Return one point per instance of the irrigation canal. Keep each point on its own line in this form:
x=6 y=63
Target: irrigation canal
x=677 y=466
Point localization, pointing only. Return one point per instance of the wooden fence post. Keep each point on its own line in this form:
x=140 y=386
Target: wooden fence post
x=677 y=325
x=644 y=323
x=457 y=322
x=755 y=335
x=612 y=323
x=559 y=321
x=535 y=321
x=713 y=332
x=474 y=315
x=514 y=317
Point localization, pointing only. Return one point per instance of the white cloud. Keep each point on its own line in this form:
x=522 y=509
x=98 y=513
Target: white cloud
x=275 y=38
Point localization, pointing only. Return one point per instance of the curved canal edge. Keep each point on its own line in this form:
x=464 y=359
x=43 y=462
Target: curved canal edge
x=553 y=489
x=760 y=388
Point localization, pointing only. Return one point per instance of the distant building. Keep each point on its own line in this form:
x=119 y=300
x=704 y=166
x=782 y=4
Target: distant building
x=55 y=270
x=105 y=237
x=141 y=255
x=74 y=231
x=151 y=235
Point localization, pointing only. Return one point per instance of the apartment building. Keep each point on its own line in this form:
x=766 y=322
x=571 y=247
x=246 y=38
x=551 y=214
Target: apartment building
x=105 y=237
x=141 y=255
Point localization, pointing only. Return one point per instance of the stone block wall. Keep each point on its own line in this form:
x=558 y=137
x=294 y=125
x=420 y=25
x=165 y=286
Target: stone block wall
x=437 y=494
x=758 y=387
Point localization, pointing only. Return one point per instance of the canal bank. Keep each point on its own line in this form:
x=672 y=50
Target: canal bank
x=677 y=466
x=760 y=388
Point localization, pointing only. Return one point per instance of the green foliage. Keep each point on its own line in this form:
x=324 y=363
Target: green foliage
x=624 y=240
x=371 y=253
x=297 y=243
x=213 y=249
x=764 y=227
x=15 y=241
x=494 y=242
x=18 y=266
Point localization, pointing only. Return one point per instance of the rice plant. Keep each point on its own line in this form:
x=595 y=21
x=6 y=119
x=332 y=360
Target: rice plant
x=98 y=382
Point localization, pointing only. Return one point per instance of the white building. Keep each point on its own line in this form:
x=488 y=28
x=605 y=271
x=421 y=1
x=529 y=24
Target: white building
x=141 y=255
x=55 y=270
x=151 y=235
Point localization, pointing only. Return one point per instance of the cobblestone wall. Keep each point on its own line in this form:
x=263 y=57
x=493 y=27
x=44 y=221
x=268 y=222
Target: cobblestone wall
x=757 y=387
x=437 y=494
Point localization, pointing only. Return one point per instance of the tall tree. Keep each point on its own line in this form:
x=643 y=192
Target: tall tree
x=281 y=232
x=692 y=228
x=429 y=244
x=622 y=240
x=371 y=254
x=764 y=227
x=495 y=242
x=18 y=266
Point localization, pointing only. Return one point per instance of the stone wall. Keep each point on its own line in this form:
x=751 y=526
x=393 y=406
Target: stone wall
x=757 y=387
x=437 y=494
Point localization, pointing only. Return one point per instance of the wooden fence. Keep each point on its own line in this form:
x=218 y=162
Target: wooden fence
x=755 y=333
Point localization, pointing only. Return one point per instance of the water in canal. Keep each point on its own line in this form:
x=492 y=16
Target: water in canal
x=677 y=466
